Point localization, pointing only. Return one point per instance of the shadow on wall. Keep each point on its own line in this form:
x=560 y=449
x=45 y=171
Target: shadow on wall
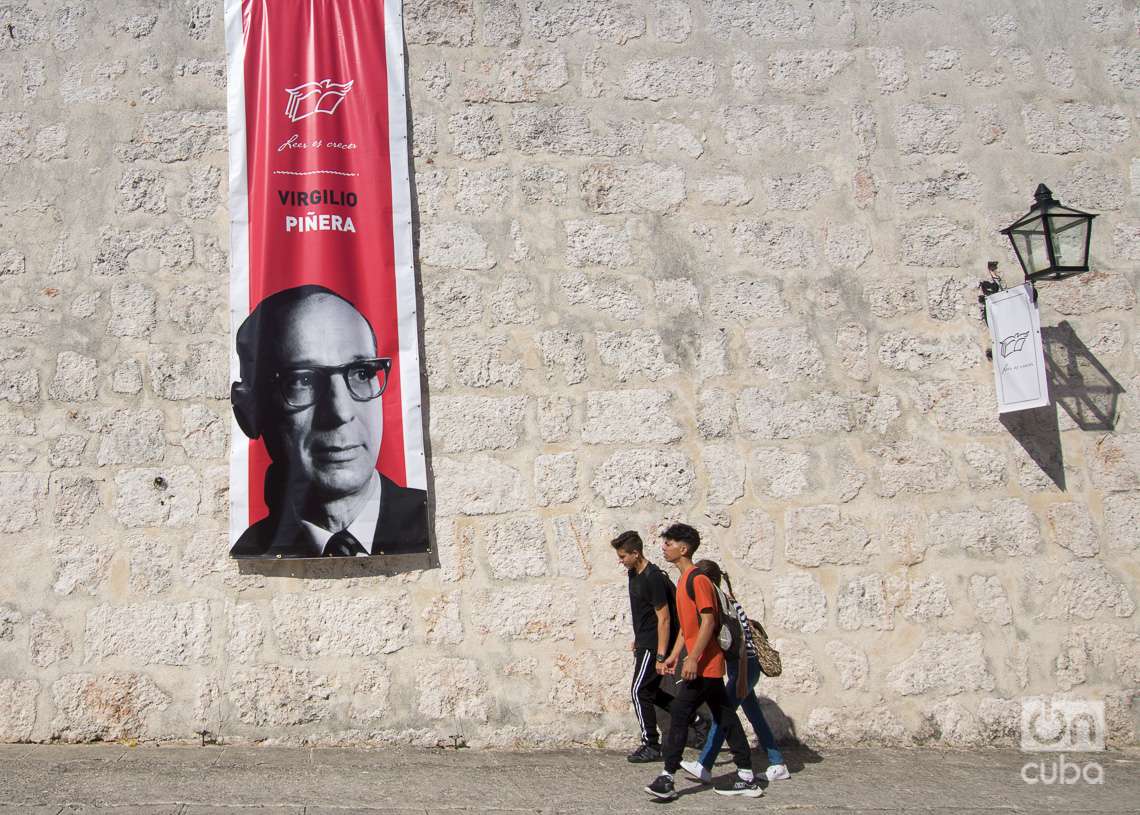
x=1078 y=382
x=339 y=568
x=425 y=391
x=796 y=753
x=1080 y=385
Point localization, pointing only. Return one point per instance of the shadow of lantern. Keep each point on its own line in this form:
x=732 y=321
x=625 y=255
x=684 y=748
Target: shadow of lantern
x=1080 y=385
x=1077 y=381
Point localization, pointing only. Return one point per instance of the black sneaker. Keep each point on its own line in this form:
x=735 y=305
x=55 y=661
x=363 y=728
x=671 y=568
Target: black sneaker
x=747 y=789
x=644 y=754
x=662 y=787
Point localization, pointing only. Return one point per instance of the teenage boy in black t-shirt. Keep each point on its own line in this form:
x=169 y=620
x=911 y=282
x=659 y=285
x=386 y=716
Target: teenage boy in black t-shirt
x=652 y=603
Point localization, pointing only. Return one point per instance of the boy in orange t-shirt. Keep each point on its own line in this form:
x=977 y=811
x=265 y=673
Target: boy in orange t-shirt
x=701 y=673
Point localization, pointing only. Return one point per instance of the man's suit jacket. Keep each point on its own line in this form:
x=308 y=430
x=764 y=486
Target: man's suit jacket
x=401 y=529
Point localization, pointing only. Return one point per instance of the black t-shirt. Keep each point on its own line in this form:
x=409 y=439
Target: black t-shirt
x=649 y=591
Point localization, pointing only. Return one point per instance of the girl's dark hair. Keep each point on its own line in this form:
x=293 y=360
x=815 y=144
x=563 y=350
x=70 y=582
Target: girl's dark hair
x=713 y=572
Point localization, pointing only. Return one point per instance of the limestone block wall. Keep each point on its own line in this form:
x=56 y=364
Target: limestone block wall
x=711 y=260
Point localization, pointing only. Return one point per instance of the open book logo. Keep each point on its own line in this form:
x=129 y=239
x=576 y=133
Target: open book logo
x=1013 y=343
x=315 y=97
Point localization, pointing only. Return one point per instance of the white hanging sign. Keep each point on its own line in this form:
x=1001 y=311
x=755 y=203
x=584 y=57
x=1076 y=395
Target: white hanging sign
x=1019 y=356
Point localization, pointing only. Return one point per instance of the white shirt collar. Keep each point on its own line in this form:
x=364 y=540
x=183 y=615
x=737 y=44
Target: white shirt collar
x=363 y=526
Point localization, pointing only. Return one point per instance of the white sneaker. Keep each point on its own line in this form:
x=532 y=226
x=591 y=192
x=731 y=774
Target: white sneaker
x=697 y=771
x=777 y=772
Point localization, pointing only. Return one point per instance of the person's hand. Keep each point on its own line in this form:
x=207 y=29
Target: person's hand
x=667 y=667
x=689 y=668
x=632 y=645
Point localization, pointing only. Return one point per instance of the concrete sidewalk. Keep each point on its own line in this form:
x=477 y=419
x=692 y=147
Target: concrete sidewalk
x=194 y=780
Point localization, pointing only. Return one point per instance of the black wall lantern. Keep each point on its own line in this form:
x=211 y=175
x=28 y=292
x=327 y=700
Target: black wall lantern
x=1051 y=241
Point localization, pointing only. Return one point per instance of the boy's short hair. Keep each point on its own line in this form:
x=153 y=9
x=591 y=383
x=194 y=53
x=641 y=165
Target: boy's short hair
x=630 y=541
x=683 y=533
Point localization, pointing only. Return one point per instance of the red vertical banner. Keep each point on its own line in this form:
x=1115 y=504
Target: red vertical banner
x=328 y=455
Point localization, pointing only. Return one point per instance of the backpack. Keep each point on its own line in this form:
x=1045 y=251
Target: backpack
x=729 y=634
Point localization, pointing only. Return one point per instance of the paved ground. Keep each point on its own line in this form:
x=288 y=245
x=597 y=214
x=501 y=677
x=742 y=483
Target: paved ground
x=122 y=780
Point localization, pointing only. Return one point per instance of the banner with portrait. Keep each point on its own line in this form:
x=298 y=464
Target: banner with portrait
x=328 y=455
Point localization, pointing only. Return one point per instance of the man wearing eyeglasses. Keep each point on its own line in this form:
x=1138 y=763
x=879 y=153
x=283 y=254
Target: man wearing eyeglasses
x=310 y=387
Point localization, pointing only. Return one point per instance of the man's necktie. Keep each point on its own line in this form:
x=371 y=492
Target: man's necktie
x=343 y=544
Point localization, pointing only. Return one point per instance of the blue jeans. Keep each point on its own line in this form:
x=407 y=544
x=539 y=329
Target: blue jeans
x=751 y=707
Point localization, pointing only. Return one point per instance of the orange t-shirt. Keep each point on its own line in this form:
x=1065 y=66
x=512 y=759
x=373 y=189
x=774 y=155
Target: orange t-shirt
x=711 y=663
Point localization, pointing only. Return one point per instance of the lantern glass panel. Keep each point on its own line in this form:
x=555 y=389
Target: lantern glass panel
x=1029 y=243
x=1070 y=239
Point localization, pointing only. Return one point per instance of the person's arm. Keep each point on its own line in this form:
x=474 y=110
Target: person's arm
x=659 y=597
x=669 y=665
x=704 y=636
x=633 y=642
x=663 y=631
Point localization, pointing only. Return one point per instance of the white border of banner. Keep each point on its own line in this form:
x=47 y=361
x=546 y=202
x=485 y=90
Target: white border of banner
x=239 y=252
x=414 y=464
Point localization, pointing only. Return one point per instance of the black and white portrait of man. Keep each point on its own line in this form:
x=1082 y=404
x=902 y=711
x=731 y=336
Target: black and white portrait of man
x=311 y=387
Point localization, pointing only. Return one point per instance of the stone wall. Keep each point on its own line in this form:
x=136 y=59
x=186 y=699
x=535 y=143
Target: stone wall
x=711 y=260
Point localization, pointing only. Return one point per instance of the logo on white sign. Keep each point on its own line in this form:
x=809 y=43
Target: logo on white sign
x=315 y=97
x=1013 y=343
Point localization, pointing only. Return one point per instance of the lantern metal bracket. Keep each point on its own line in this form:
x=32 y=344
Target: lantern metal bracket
x=988 y=287
x=993 y=286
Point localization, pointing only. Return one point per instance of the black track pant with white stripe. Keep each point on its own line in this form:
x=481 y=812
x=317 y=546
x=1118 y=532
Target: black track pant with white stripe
x=647 y=695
